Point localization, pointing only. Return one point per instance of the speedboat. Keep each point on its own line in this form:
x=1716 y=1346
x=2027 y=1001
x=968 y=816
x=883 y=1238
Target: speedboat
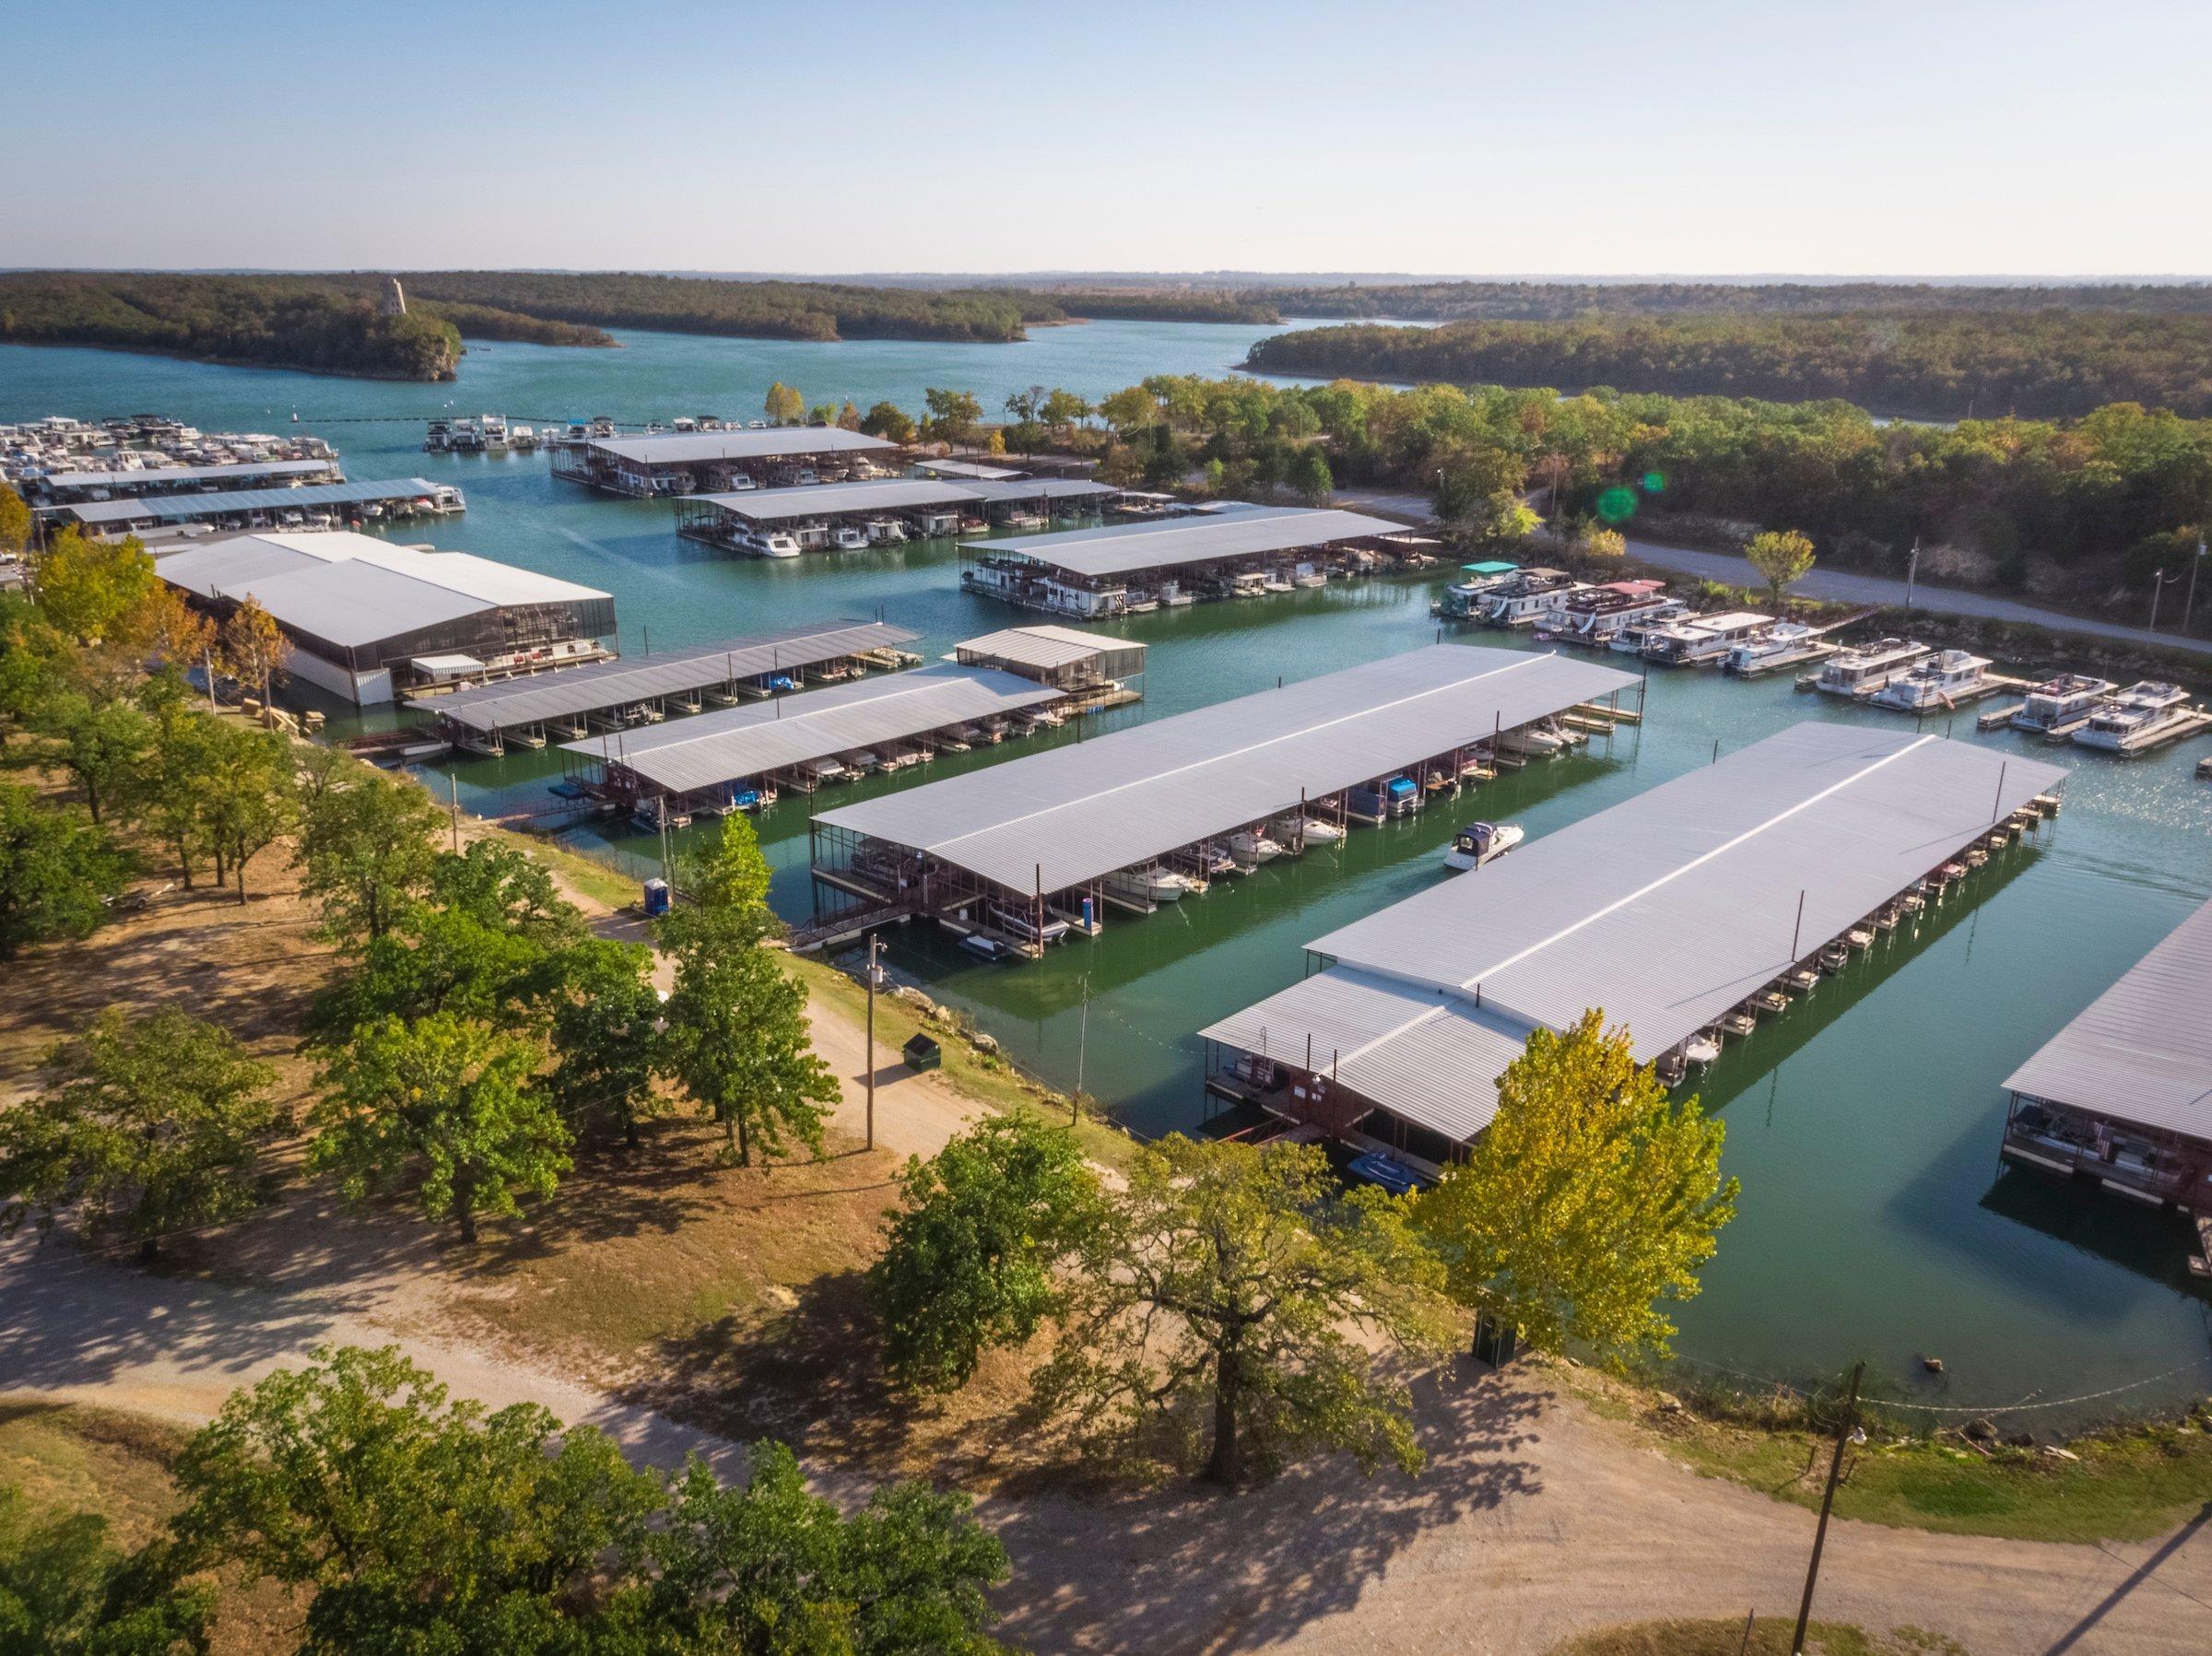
x=1312 y=831
x=985 y=948
x=1253 y=846
x=1481 y=842
x=848 y=539
x=1703 y=1047
x=1152 y=884
x=1385 y=1172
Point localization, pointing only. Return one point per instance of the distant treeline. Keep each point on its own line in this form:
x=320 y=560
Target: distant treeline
x=1561 y=301
x=275 y=322
x=1924 y=365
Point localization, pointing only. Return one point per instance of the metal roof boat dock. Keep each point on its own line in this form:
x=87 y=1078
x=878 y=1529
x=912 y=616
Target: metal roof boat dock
x=149 y=482
x=1122 y=569
x=363 y=612
x=266 y=507
x=1672 y=911
x=2122 y=1094
x=1058 y=655
x=484 y=718
x=887 y=509
x=686 y=463
x=736 y=757
x=1018 y=848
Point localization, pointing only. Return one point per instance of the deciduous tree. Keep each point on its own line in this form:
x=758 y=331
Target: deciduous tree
x=253 y=648
x=1237 y=1300
x=153 y=1124
x=888 y=421
x=66 y=1590
x=57 y=870
x=366 y=853
x=88 y=589
x=247 y=796
x=15 y=521
x=1589 y=1203
x=105 y=745
x=784 y=405
x=953 y=416
x=974 y=1256
x=1310 y=474
x=1783 y=555
x=739 y=1045
x=445 y=1105
x=605 y=1010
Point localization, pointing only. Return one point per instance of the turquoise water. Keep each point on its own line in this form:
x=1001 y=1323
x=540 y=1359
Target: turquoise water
x=1864 y=1125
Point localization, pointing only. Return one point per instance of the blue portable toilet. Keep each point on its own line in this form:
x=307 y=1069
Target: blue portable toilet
x=1089 y=918
x=656 y=898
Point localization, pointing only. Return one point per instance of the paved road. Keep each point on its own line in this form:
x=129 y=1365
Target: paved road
x=1842 y=586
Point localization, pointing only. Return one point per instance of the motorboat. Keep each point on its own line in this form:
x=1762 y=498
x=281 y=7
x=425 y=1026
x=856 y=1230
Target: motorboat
x=1481 y=842
x=2139 y=717
x=1251 y=846
x=1385 y=1172
x=1935 y=683
x=1051 y=930
x=2056 y=705
x=1703 y=1047
x=985 y=948
x=885 y=532
x=766 y=543
x=862 y=761
x=1309 y=830
x=1151 y=884
x=846 y=538
x=1534 y=741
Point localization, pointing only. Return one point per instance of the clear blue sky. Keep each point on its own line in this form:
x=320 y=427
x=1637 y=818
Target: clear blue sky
x=1892 y=137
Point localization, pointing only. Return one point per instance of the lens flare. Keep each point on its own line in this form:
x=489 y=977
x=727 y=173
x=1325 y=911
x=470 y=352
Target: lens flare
x=1654 y=483
x=1616 y=505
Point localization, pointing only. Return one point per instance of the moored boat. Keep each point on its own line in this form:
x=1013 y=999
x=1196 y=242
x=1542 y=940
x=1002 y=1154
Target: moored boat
x=1481 y=842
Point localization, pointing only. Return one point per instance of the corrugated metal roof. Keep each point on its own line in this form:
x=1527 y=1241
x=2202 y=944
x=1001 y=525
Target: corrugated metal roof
x=996 y=492
x=178 y=509
x=1239 y=531
x=771 y=443
x=574 y=690
x=963 y=468
x=2142 y=1050
x=1084 y=811
x=1045 y=646
x=1670 y=909
x=356 y=604
x=56 y=483
x=687 y=754
x=822 y=499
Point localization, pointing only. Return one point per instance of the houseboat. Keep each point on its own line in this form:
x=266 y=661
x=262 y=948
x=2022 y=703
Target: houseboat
x=1595 y=615
x=1528 y=597
x=1866 y=669
x=1749 y=656
x=1936 y=682
x=1459 y=602
x=2139 y=717
x=1701 y=639
x=2054 y=707
x=1481 y=842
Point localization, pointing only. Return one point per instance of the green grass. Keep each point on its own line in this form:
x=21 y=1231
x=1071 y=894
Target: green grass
x=1769 y=1637
x=69 y=1458
x=988 y=1079
x=2129 y=1484
x=594 y=879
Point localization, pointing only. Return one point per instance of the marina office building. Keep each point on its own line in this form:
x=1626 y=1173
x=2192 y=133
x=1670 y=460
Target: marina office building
x=688 y=462
x=367 y=619
x=1019 y=852
x=314 y=506
x=846 y=516
x=1669 y=912
x=1123 y=569
x=528 y=711
x=2123 y=1095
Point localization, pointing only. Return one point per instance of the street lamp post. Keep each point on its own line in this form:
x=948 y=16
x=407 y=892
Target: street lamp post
x=2158 y=584
x=2189 y=599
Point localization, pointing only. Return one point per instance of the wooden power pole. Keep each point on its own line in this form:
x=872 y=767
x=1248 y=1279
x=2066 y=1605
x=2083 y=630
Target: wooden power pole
x=1828 y=1499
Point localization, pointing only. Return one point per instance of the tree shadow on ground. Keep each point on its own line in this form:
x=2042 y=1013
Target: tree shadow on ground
x=1191 y=1568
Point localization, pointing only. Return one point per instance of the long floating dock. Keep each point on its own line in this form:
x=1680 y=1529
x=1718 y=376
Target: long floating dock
x=1710 y=899
x=1148 y=813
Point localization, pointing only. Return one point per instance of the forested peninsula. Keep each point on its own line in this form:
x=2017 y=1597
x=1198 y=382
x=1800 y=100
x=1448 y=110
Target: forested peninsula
x=1928 y=365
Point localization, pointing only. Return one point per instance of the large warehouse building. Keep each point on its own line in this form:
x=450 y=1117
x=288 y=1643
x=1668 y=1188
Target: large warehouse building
x=369 y=619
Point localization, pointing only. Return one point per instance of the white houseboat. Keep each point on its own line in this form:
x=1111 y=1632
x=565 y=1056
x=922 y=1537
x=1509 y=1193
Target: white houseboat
x=1596 y=613
x=1785 y=638
x=1702 y=639
x=2057 y=705
x=1459 y=601
x=1866 y=669
x=1528 y=597
x=1937 y=682
x=2139 y=717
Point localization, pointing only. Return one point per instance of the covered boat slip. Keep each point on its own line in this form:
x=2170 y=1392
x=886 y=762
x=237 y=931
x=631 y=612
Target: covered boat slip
x=918 y=507
x=617 y=694
x=1668 y=912
x=1059 y=655
x=266 y=507
x=1120 y=568
x=1020 y=849
x=149 y=482
x=699 y=461
x=714 y=761
x=2123 y=1093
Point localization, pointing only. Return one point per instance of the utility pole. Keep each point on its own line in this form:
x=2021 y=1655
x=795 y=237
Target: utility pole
x=872 y=944
x=2158 y=590
x=1828 y=1498
x=452 y=783
x=207 y=666
x=1911 y=568
x=2189 y=601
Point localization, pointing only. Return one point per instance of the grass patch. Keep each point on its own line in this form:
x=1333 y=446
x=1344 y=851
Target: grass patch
x=1769 y=1635
x=2128 y=1484
x=585 y=876
x=983 y=1076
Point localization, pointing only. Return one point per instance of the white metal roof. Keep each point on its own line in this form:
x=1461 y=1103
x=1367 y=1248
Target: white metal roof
x=2142 y=1050
x=732 y=744
x=178 y=509
x=770 y=443
x=822 y=499
x=1239 y=531
x=1045 y=646
x=963 y=468
x=56 y=483
x=1070 y=815
x=1670 y=909
x=574 y=690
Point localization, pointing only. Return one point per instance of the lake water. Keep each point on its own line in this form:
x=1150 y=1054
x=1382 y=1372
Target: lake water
x=1864 y=1125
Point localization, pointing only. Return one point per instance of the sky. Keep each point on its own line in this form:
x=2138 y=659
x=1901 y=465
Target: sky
x=1937 y=137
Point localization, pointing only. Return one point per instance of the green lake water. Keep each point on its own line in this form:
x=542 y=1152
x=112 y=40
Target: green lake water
x=1864 y=1125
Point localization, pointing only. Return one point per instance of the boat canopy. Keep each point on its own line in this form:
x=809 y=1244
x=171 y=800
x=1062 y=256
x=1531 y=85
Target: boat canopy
x=1489 y=568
